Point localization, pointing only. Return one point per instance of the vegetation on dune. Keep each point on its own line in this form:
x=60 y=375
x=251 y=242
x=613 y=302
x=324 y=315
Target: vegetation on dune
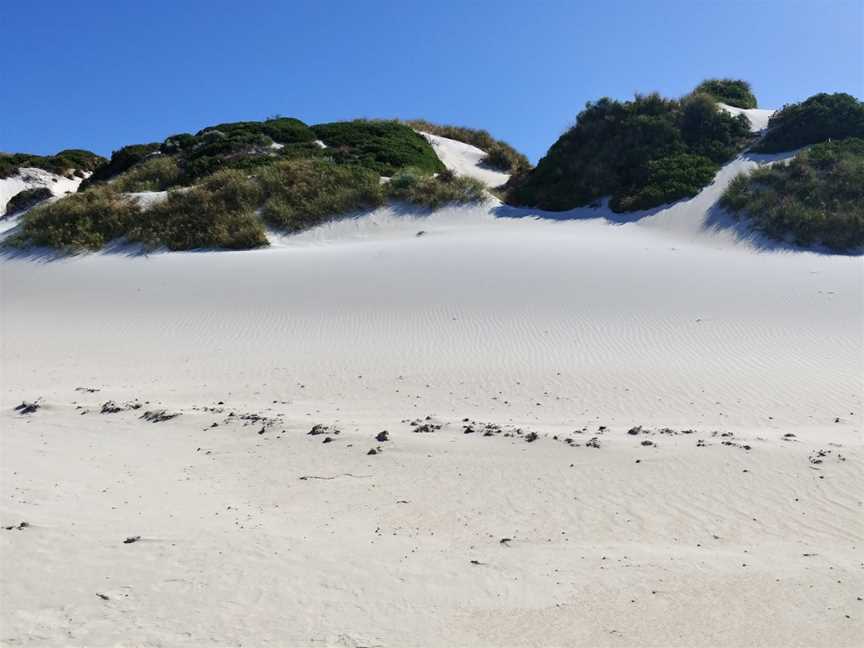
x=67 y=162
x=284 y=130
x=817 y=198
x=81 y=221
x=382 y=146
x=121 y=160
x=219 y=213
x=303 y=193
x=642 y=153
x=27 y=199
x=669 y=179
x=819 y=118
x=415 y=187
x=733 y=92
x=228 y=209
x=183 y=159
x=154 y=174
x=499 y=155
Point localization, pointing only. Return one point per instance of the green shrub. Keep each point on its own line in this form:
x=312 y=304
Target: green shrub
x=615 y=147
x=382 y=146
x=418 y=188
x=121 y=160
x=154 y=174
x=733 y=92
x=176 y=143
x=81 y=221
x=669 y=179
x=219 y=213
x=27 y=199
x=819 y=118
x=817 y=198
x=285 y=130
x=303 y=193
x=503 y=157
x=499 y=155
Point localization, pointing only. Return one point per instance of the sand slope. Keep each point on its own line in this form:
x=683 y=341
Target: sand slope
x=549 y=323
x=29 y=178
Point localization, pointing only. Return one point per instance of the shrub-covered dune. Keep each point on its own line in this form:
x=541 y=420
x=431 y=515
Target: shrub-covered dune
x=66 y=163
x=642 y=153
x=383 y=146
x=818 y=198
x=226 y=184
x=819 y=118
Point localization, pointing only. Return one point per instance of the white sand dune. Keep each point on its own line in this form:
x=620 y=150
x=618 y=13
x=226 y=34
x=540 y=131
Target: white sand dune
x=758 y=116
x=30 y=178
x=465 y=159
x=556 y=324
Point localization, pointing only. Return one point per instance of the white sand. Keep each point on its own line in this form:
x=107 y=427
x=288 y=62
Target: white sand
x=30 y=178
x=465 y=159
x=758 y=116
x=494 y=314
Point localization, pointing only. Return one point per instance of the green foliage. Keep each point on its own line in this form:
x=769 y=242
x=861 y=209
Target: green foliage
x=382 y=146
x=174 y=144
x=419 y=188
x=615 y=149
x=670 y=178
x=219 y=213
x=303 y=193
x=63 y=163
x=285 y=130
x=82 y=221
x=817 y=198
x=499 y=155
x=121 y=160
x=819 y=118
x=154 y=174
x=733 y=92
x=27 y=199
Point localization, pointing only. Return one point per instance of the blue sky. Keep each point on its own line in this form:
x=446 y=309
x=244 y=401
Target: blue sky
x=100 y=74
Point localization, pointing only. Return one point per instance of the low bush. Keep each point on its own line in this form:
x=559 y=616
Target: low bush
x=819 y=118
x=27 y=199
x=121 y=160
x=817 y=198
x=81 y=221
x=285 y=130
x=669 y=179
x=617 y=149
x=382 y=146
x=304 y=193
x=419 y=188
x=733 y=92
x=154 y=174
x=499 y=155
x=219 y=213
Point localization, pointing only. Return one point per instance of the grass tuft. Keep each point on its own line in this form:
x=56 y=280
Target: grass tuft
x=418 y=188
x=82 y=221
x=304 y=193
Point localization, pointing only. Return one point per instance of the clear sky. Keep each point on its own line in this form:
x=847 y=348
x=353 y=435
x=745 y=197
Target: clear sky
x=100 y=74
